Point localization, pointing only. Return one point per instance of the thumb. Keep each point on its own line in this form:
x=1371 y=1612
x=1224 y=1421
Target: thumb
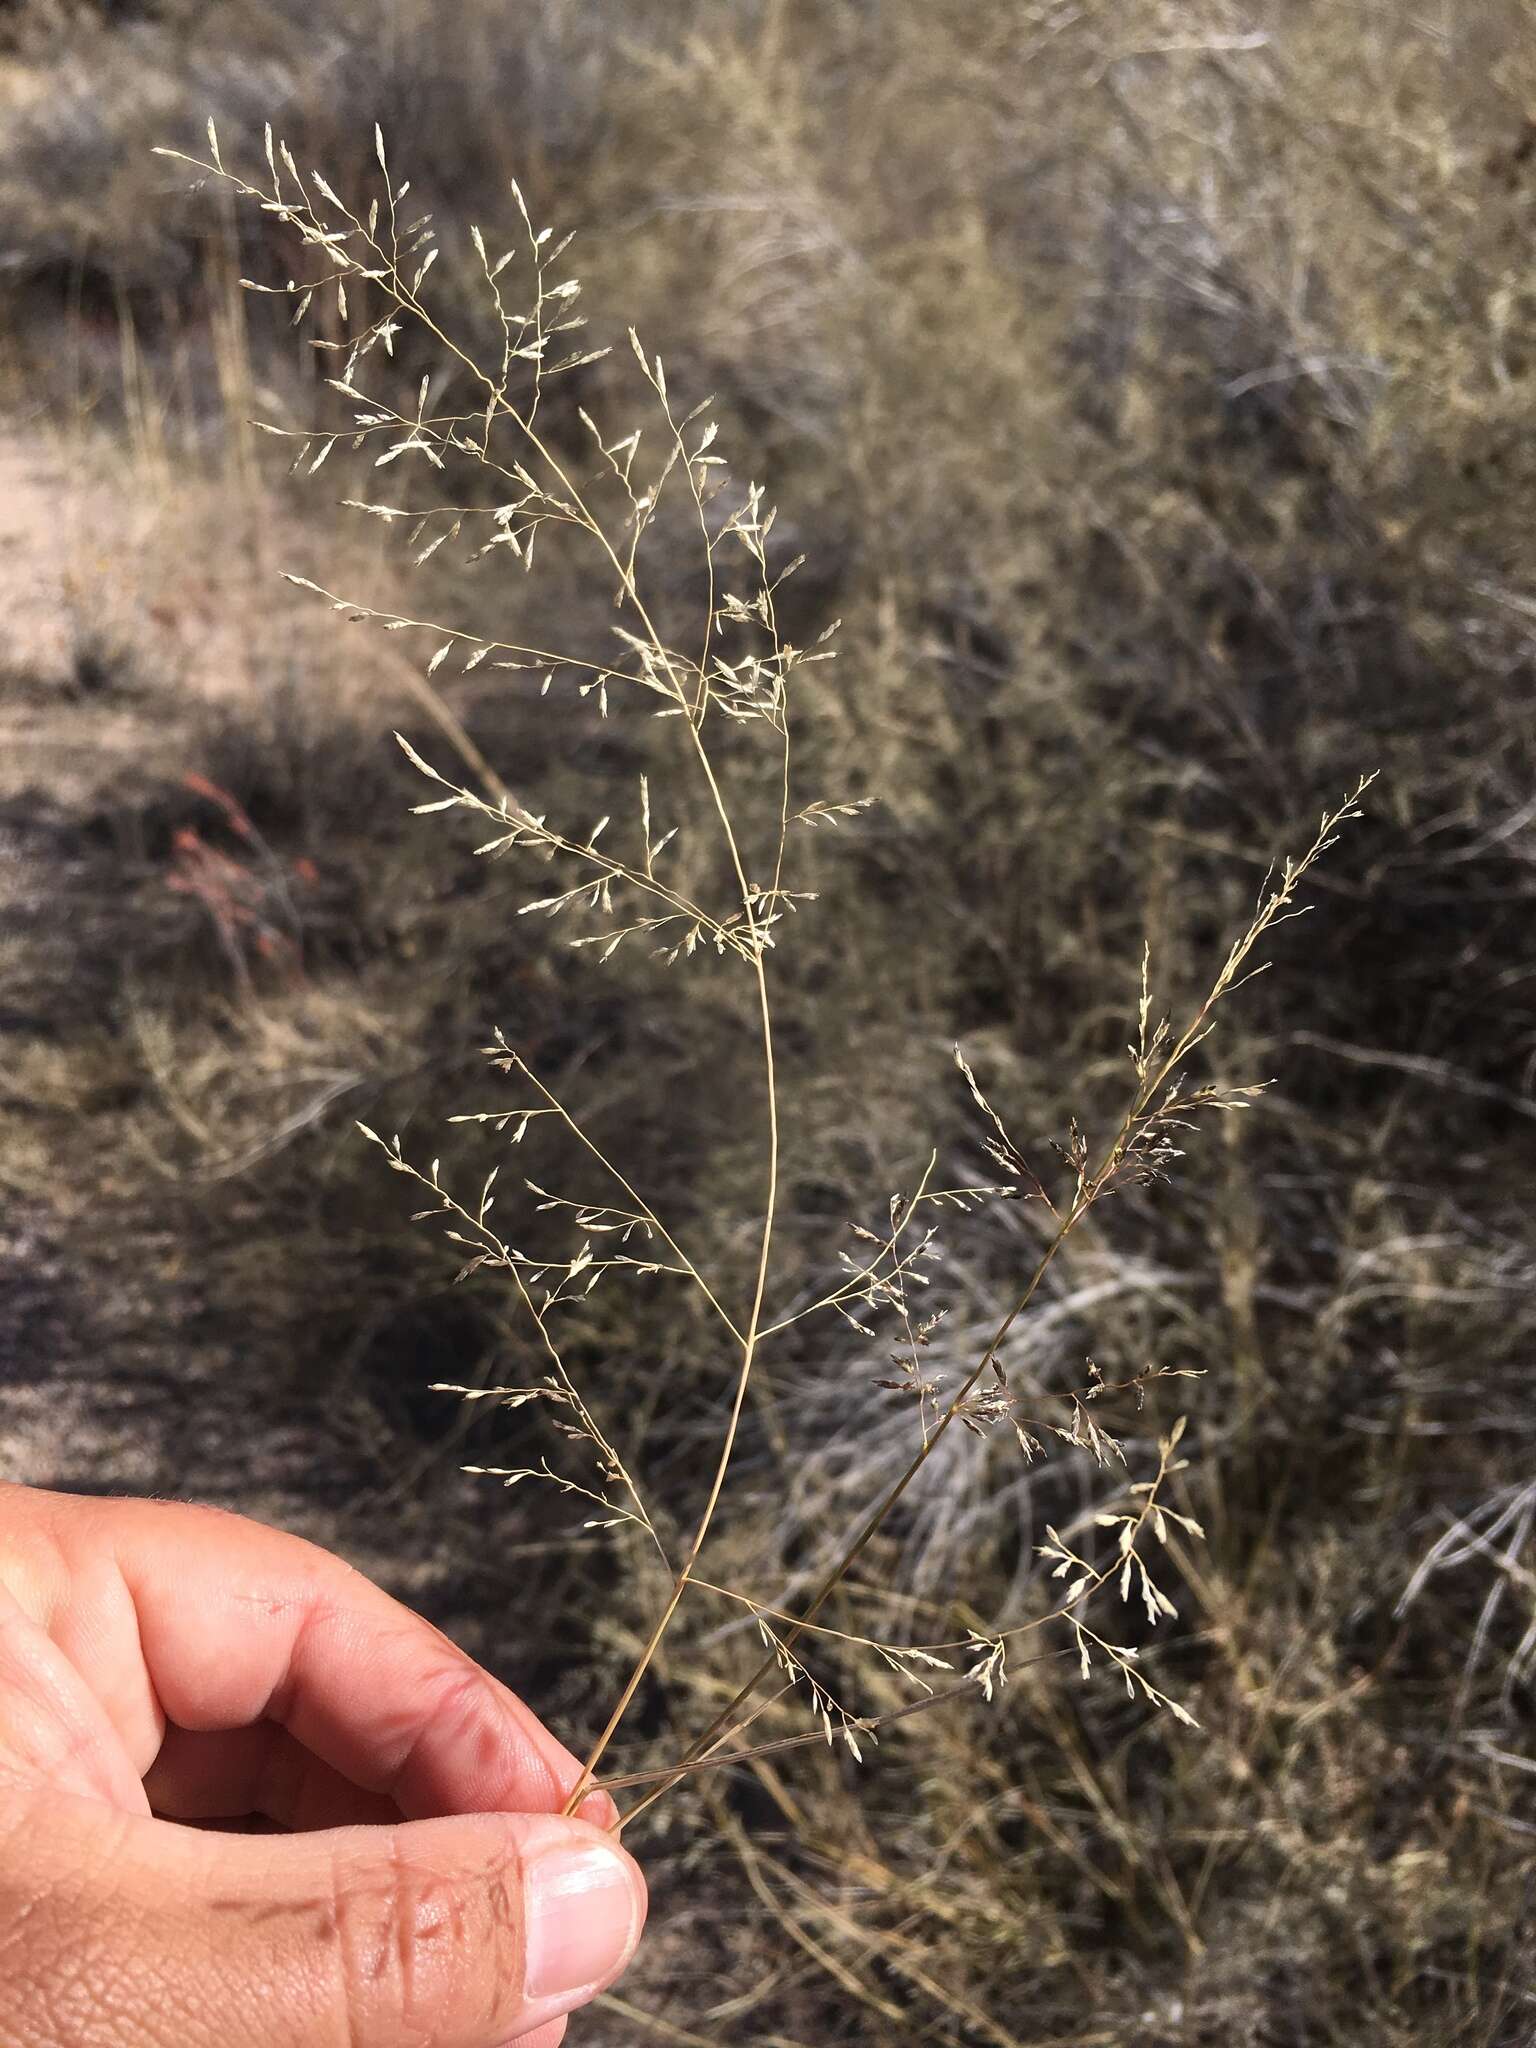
x=466 y=1932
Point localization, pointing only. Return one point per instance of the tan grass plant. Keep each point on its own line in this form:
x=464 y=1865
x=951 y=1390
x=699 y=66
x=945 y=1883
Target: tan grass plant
x=703 y=866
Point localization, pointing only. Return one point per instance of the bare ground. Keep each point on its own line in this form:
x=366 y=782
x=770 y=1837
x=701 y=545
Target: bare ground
x=116 y=1370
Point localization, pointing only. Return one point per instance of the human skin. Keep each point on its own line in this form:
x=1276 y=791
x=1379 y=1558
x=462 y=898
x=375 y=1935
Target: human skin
x=167 y=1671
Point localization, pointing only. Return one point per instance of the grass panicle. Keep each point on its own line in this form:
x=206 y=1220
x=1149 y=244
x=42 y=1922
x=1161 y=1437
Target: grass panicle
x=477 y=469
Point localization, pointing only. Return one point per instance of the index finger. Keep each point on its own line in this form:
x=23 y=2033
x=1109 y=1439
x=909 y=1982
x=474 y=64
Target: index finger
x=238 y=1623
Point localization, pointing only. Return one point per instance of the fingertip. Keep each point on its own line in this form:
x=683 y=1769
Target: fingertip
x=586 y=1904
x=544 y=2037
x=549 y=2036
x=600 y=1810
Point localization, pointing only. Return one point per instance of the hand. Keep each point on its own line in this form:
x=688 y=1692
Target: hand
x=163 y=1664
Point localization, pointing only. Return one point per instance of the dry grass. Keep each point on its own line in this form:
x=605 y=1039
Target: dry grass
x=1148 y=388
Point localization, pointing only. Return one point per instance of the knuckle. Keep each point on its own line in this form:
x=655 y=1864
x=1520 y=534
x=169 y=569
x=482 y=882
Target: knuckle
x=461 y=1707
x=33 y=1568
x=414 y=1947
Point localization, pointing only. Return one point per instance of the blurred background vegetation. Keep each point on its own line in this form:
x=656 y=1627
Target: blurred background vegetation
x=1151 y=388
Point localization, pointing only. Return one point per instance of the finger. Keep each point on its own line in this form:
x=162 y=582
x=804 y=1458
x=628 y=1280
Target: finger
x=52 y=1726
x=471 y=1931
x=234 y=1623
x=257 y=1770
